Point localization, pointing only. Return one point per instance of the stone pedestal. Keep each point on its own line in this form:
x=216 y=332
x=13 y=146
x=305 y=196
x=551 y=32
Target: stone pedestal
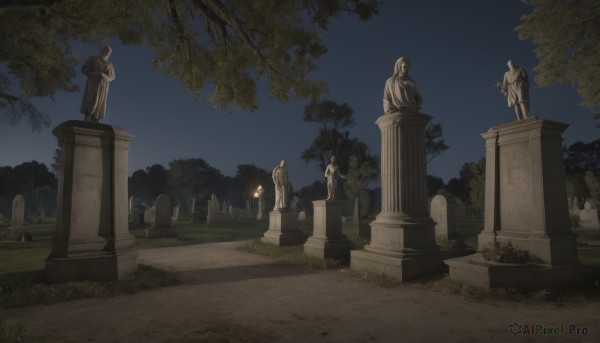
x=92 y=239
x=327 y=240
x=402 y=235
x=526 y=205
x=283 y=229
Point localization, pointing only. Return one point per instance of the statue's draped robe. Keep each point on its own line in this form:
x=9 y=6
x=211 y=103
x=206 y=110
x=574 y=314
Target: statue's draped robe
x=401 y=94
x=280 y=179
x=332 y=173
x=516 y=87
x=96 y=88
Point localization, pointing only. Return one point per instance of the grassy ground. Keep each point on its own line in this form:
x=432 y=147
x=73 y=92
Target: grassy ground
x=21 y=264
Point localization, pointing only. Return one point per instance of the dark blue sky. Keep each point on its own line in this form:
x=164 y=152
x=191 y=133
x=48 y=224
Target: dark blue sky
x=458 y=49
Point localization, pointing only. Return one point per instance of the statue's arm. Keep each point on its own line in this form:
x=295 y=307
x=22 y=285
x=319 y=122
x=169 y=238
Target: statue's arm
x=110 y=76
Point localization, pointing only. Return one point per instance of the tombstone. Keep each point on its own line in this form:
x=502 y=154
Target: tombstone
x=294 y=204
x=443 y=214
x=327 y=240
x=17 y=232
x=402 y=236
x=302 y=216
x=193 y=206
x=162 y=226
x=149 y=216
x=92 y=239
x=588 y=217
x=526 y=206
x=175 y=214
x=18 y=212
x=261 y=208
x=213 y=211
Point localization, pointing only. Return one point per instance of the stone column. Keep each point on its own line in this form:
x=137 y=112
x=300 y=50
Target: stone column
x=327 y=240
x=402 y=235
x=92 y=239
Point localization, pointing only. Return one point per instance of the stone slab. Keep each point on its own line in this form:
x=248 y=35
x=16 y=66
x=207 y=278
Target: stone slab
x=283 y=229
x=474 y=270
x=401 y=268
x=92 y=266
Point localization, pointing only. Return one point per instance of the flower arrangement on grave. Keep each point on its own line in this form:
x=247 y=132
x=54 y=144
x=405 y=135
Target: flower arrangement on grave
x=505 y=253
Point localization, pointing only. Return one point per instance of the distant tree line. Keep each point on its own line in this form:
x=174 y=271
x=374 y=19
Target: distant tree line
x=34 y=181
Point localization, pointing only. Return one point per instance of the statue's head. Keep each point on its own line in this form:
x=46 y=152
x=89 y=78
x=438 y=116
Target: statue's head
x=402 y=65
x=282 y=163
x=511 y=64
x=106 y=51
x=332 y=159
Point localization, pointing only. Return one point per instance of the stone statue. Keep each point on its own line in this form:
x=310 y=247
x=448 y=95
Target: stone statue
x=332 y=173
x=515 y=87
x=282 y=186
x=400 y=93
x=99 y=72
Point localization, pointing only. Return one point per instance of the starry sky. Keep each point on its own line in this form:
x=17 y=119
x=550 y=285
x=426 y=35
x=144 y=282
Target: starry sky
x=458 y=50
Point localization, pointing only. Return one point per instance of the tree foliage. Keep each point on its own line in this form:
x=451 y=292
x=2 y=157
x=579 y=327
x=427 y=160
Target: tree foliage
x=566 y=34
x=434 y=141
x=581 y=157
x=334 y=139
x=227 y=44
x=34 y=182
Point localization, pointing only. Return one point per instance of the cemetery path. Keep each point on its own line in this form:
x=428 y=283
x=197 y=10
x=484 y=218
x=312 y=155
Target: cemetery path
x=230 y=294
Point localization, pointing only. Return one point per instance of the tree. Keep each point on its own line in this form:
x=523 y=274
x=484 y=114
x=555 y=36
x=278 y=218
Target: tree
x=469 y=188
x=358 y=177
x=581 y=157
x=566 y=35
x=434 y=143
x=248 y=177
x=157 y=180
x=593 y=183
x=229 y=44
x=192 y=178
x=334 y=140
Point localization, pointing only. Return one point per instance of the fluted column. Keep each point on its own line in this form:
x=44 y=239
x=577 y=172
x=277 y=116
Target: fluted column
x=403 y=165
x=402 y=236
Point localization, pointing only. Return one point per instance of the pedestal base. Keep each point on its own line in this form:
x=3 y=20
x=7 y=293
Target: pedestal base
x=327 y=240
x=400 y=268
x=476 y=271
x=337 y=248
x=401 y=250
x=95 y=266
x=158 y=232
x=283 y=229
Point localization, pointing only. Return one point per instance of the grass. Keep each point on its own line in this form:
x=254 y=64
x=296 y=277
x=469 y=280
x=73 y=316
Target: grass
x=196 y=233
x=29 y=288
x=289 y=255
x=16 y=257
x=21 y=264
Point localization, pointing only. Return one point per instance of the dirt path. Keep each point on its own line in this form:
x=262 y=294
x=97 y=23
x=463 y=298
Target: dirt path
x=229 y=293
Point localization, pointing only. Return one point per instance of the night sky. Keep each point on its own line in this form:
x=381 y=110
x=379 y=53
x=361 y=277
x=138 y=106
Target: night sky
x=458 y=50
